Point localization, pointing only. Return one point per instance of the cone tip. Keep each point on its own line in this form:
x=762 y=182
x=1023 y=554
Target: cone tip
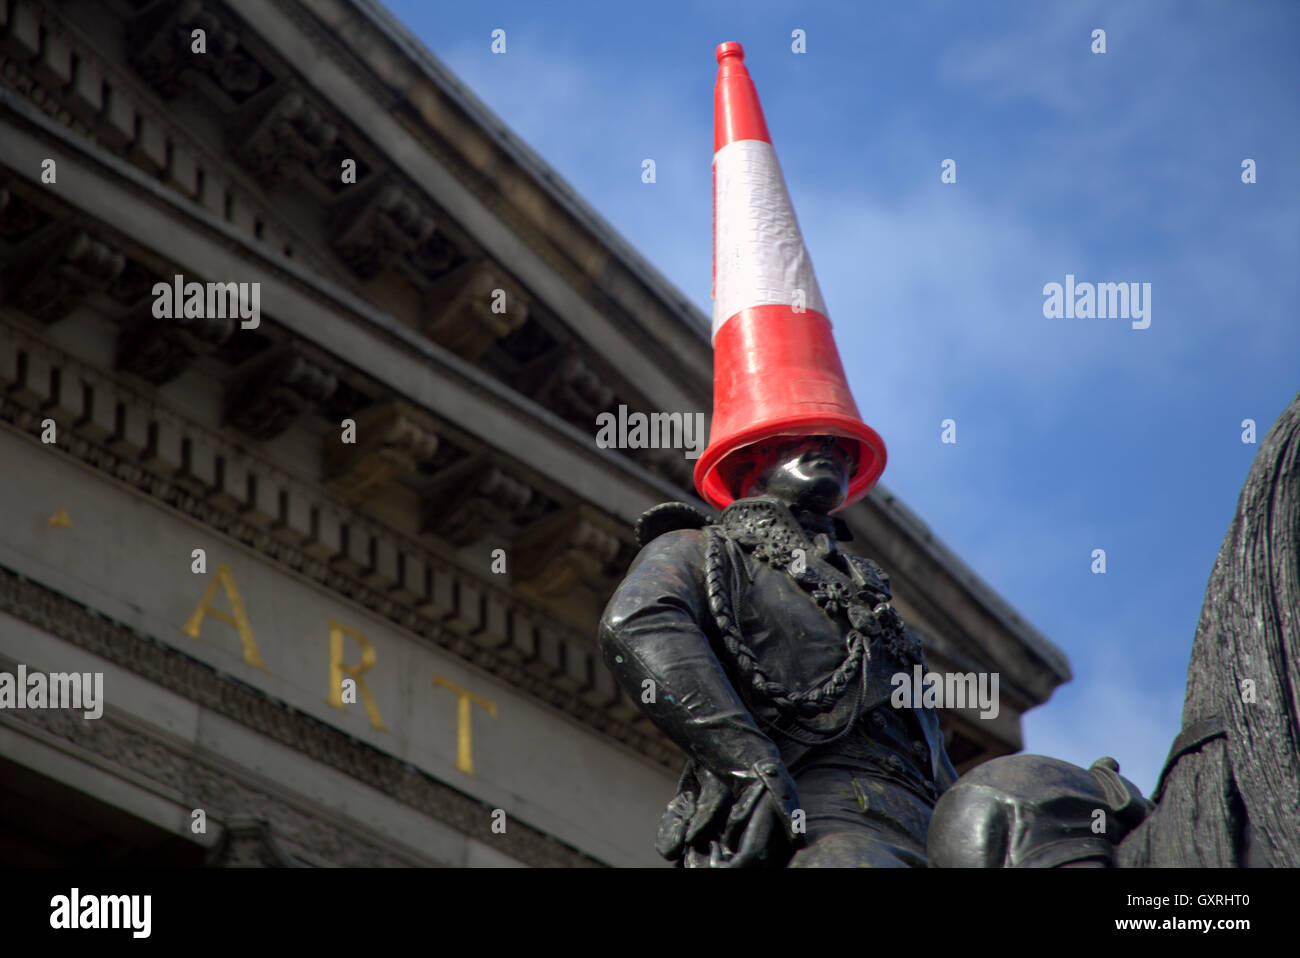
x=730 y=49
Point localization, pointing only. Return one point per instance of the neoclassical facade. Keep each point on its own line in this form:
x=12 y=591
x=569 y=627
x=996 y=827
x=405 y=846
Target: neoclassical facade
x=301 y=359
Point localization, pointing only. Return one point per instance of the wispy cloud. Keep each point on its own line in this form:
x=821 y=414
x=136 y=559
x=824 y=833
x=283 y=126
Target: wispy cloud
x=1110 y=710
x=1030 y=63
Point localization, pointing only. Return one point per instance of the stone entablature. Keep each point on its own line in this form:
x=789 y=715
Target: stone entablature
x=306 y=528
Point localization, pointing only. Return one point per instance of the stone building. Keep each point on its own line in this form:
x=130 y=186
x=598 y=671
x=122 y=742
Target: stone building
x=315 y=650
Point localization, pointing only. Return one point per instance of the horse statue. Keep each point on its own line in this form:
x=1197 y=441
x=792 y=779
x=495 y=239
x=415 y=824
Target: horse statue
x=1229 y=793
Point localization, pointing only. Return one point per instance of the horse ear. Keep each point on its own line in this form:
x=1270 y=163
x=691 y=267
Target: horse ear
x=1124 y=798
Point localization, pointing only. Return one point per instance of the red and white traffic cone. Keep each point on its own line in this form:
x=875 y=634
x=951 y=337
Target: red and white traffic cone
x=776 y=371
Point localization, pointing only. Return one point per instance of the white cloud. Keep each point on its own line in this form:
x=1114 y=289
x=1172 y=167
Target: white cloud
x=1133 y=718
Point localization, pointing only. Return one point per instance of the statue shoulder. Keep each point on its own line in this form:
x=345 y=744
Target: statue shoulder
x=668 y=573
x=671 y=535
x=682 y=548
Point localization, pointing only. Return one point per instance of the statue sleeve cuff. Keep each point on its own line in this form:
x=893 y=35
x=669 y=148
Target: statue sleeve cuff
x=780 y=785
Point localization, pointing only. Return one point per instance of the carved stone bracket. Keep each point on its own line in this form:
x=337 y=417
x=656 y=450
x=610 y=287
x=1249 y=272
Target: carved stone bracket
x=60 y=271
x=162 y=51
x=132 y=291
x=470 y=308
x=561 y=380
x=391 y=439
x=380 y=223
x=159 y=349
x=274 y=390
x=279 y=135
x=477 y=498
x=573 y=547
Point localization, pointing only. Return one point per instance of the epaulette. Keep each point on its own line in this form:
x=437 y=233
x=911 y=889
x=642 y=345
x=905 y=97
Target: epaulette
x=667 y=517
x=877 y=577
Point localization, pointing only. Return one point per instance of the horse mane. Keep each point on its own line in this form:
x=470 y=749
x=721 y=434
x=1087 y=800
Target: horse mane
x=1229 y=795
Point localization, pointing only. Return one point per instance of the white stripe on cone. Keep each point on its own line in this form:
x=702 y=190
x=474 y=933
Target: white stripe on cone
x=761 y=257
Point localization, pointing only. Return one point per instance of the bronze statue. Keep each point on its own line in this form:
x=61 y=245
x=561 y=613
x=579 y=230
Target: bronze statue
x=769 y=654
x=753 y=642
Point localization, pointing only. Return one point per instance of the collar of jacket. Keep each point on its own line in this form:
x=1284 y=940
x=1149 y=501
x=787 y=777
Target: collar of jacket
x=767 y=520
x=808 y=522
x=770 y=530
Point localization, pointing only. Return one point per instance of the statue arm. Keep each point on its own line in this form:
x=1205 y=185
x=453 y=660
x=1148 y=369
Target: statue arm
x=651 y=632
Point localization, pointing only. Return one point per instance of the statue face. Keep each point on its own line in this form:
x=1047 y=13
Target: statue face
x=811 y=472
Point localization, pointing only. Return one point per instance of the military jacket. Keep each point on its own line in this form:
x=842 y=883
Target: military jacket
x=703 y=609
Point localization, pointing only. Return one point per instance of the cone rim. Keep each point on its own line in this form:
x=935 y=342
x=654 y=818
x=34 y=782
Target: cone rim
x=709 y=484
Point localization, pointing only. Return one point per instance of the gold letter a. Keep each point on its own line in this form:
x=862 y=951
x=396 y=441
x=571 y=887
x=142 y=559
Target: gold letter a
x=239 y=620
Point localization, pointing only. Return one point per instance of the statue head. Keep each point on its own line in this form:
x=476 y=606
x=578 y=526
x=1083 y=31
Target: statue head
x=810 y=472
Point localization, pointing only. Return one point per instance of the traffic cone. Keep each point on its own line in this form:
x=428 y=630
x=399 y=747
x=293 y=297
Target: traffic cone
x=776 y=371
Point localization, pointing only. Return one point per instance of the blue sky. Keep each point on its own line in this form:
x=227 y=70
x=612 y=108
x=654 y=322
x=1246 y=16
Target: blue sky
x=1072 y=434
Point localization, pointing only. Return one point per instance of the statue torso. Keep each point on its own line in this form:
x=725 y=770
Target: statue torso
x=801 y=604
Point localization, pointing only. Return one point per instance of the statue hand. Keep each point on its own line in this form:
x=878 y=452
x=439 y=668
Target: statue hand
x=760 y=830
x=763 y=841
